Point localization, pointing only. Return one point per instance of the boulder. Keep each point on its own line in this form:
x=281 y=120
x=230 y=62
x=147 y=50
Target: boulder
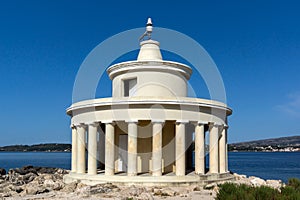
x=255 y=181
x=276 y=184
x=71 y=187
x=157 y=192
x=2 y=171
x=27 y=178
x=239 y=176
x=197 y=188
x=210 y=186
x=32 y=189
x=168 y=192
x=50 y=184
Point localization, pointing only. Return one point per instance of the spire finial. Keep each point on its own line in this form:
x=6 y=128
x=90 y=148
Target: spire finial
x=148 y=30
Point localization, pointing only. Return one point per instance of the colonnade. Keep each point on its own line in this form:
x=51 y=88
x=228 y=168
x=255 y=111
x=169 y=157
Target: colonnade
x=218 y=161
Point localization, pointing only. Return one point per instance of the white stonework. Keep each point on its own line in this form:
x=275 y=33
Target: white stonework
x=144 y=130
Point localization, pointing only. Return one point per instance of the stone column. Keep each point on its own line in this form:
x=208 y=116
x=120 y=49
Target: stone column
x=92 y=148
x=226 y=148
x=109 y=149
x=157 y=148
x=132 y=148
x=81 y=166
x=222 y=150
x=213 y=148
x=199 y=148
x=180 y=148
x=74 y=149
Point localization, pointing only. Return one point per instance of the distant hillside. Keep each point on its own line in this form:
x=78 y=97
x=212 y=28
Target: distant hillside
x=272 y=144
x=53 y=147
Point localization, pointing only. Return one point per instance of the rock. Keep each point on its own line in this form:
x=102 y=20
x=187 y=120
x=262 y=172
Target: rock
x=239 y=176
x=135 y=191
x=157 y=191
x=61 y=171
x=84 y=191
x=197 y=188
x=210 y=186
x=27 y=178
x=255 y=181
x=29 y=169
x=46 y=170
x=68 y=188
x=53 y=185
x=16 y=189
x=2 y=171
x=145 y=196
x=276 y=184
x=168 y=192
x=33 y=189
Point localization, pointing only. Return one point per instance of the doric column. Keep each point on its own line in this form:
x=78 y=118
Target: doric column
x=92 y=148
x=180 y=148
x=157 y=148
x=199 y=148
x=81 y=166
x=132 y=148
x=74 y=149
x=222 y=150
x=109 y=148
x=226 y=149
x=213 y=148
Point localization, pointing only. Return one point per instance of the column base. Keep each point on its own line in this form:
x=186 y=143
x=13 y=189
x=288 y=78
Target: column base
x=169 y=179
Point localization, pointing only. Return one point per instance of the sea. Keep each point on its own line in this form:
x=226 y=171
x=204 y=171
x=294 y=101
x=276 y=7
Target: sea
x=267 y=165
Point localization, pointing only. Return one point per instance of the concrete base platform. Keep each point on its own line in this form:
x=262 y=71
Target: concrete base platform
x=148 y=180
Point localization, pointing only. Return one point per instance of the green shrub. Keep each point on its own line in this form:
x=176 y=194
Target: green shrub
x=231 y=191
x=289 y=193
x=294 y=183
x=264 y=193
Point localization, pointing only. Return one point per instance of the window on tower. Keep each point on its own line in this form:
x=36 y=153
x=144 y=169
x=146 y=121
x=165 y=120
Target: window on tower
x=129 y=86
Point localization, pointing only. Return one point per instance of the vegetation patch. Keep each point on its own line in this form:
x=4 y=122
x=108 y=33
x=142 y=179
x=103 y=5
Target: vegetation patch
x=231 y=191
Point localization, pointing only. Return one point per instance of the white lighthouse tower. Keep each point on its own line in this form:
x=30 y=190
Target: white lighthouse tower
x=145 y=133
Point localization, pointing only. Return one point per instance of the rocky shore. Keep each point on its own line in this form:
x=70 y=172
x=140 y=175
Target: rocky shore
x=47 y=183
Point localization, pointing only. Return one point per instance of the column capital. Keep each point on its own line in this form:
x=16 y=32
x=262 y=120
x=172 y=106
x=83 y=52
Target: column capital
x=214 y=124
x=181 y=121
x=108 y=122
x=135 y=121
x=159 y=121
x=81 y=125
x=72 y=126
x=95 y=124
x=199 y=123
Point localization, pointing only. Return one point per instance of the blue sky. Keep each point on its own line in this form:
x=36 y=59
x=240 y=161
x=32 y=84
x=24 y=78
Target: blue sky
x=255 y=44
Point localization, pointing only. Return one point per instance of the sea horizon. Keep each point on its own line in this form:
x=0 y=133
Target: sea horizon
x=266 y=165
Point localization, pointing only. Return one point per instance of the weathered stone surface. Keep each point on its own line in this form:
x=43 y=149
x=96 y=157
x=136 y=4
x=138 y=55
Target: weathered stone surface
x=257 y=181
x=32 y=189
x=210 y=186
x=277 y=184
x=196 y=188
x=68 y=188
x=168 y=192
x=28 y=181
x=157 y=191
x=2 y=171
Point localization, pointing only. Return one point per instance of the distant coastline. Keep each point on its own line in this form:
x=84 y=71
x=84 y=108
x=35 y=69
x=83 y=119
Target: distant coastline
x=51 y=147
x=282 y=144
